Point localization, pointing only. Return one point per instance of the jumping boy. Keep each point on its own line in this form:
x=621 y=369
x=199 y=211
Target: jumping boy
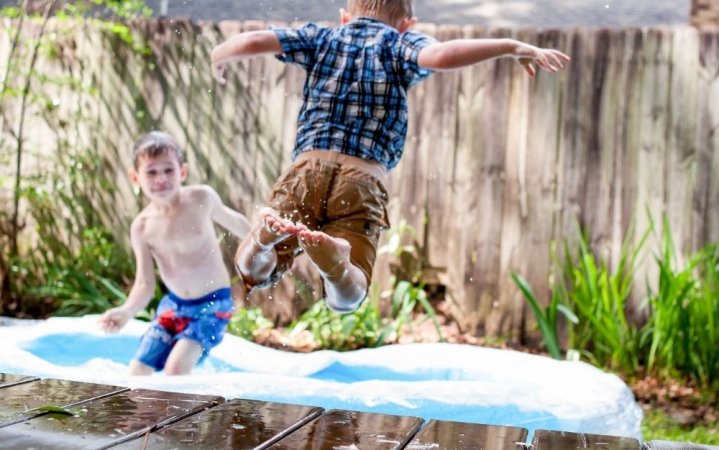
x=331 y=202
x=176 y=229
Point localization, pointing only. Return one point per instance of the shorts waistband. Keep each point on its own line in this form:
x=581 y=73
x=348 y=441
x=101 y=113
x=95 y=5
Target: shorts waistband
x=372 y=168
x=219 y=294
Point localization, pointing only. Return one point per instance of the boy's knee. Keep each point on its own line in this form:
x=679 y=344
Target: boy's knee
x=346 y=305
x=176 y=369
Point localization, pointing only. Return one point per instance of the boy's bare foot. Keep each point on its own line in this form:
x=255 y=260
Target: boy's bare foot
x=345 y=284
x=329 y=254
x=271 y=229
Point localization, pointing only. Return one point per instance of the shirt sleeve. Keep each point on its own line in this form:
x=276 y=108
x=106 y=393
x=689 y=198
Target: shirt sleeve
x=411 y=42
x=298 y=44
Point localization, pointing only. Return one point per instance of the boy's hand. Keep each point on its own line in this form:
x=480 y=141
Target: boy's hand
x=114 y=319
x=218 y=72
x=548 y=59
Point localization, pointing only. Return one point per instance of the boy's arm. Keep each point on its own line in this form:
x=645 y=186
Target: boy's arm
x=464 y=52
x=142 y=289
x=243 y=45
x=231 y=220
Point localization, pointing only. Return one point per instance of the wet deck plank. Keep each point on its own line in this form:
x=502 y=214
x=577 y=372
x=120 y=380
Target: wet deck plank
x=10 y=379
x=560 y=440
x=106 y=421
x=352 y=430
x=18 y=401
x=439 y=434
x=236 y=424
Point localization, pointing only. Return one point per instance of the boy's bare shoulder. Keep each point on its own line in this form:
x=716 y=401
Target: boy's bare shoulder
x=200 y=193
x=140 y=219
x=137 y=227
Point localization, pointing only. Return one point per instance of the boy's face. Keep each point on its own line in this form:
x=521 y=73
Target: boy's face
x=159 y=177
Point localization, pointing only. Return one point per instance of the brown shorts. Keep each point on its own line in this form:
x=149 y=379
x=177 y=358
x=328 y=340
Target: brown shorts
x=342 y=196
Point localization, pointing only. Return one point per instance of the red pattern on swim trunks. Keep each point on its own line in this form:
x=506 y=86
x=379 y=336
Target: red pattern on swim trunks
x=172 y=323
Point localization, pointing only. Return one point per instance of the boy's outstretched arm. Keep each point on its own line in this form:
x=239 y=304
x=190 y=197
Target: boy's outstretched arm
x=231 y=220
x=459 y=53
x=243 y=45
x=142 y=289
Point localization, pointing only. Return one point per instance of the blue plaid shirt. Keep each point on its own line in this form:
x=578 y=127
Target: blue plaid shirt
x=355 y=95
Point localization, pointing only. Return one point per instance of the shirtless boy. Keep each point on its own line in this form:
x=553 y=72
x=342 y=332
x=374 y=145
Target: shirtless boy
x=176 y=230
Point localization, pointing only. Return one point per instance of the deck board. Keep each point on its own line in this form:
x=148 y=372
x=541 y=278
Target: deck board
x=352 y=430
x=106 y=421
x=237 y=424
x=10 y=379
x=561 y=440
x=116 y=417
x=441 y=434
x=18 y=401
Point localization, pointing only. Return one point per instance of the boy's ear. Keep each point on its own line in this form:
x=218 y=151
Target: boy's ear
x=184 y=170
x=134 y=177
x=345 y=17
x=406 y=24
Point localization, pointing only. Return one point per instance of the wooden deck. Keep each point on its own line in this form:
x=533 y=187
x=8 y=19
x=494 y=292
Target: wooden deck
x=117 y=417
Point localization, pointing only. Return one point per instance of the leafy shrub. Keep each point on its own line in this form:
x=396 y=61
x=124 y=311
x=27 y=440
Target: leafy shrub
x=683 y=325
x=246 y=321
x=55 y=208
x=681 y=336
x=365 y=327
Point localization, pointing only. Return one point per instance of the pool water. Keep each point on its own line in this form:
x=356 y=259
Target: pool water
x=430 y=381
x=76 y=349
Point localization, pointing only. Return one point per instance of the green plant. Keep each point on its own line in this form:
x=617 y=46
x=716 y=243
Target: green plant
x=362 y=328
x=409 y=258
x=405 y=297
x=683 y=325
x=365 y=327
x=598 y=296
x=407 y=269
x=246 y=321
x=81 y=282
x=53 y=193
x=704 y=310
x=546 y=317
x=656 y=425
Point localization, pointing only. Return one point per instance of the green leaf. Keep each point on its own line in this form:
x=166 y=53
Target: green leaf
x=53 y=409
x=548 y=329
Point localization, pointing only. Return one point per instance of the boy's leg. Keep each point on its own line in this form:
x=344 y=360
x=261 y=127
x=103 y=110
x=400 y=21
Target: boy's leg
x=156 y=344
x=256 y=257
x=345 y=249
x=138 y=368
x=184 y=356
x=345 y=284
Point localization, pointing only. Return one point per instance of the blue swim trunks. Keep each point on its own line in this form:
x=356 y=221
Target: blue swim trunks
x=203 y=320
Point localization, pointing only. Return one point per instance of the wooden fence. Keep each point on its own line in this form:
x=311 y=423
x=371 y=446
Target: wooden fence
x=497 y=166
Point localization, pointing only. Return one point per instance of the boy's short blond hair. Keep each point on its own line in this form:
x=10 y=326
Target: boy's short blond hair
x=156 y=143
x=392 y=9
